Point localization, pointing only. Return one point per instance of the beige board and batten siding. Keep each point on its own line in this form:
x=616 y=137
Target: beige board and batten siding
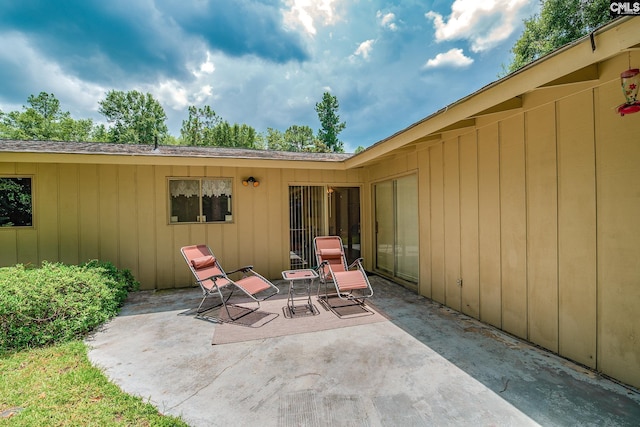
x=119 y=213
x=617 y=153
x=537 y=211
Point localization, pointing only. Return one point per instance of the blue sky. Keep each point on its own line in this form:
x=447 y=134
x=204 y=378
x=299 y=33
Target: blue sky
x=265 y=63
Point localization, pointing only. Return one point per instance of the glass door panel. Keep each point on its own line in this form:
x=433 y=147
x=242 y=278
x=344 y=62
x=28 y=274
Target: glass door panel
x=406 y=248
x=384 y=226
x=396 y=228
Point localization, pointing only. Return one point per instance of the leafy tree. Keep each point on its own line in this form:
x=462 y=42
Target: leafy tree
x=46 y=105
x=76 y=130
x=172 y=140
x=198 y=129
x=4 y=128
x=236 y=135
x=99 y=133
x=44 y=120
x=359 y=149
x=21 y=125
x=274 y=140
x=331 y=125
x=559 y=22
x=222 y=135
x=205 y=128
x=41 y=118
x=295 y=138
x=301 y=138
x=136 y=117
x=243 y=136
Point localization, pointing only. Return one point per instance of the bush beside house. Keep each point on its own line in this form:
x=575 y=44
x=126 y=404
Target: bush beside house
x=58 y=303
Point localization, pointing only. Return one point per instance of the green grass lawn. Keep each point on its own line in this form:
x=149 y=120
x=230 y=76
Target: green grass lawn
x=57 y=386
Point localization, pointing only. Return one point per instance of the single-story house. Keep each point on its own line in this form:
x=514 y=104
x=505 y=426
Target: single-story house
x=518 y=205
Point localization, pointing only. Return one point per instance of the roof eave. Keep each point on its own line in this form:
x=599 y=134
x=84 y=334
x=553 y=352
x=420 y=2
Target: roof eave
x=97 y=153
x=141 y=160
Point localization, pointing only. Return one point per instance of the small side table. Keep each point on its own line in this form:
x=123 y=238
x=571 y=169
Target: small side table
x=300 y=283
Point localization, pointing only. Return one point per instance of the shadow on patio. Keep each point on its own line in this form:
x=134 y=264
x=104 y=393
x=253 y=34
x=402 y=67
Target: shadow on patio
x=426 y=365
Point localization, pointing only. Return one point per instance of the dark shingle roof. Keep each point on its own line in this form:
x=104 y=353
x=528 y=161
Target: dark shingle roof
x=97 y=148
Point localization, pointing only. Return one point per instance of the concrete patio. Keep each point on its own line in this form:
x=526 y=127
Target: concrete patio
x=427 y=365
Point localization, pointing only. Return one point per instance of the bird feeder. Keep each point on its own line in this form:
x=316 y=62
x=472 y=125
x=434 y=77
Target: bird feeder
x=630 y=81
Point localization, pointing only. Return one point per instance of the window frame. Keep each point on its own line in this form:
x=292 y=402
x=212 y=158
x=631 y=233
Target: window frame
x=33 y=216
x=200 y=217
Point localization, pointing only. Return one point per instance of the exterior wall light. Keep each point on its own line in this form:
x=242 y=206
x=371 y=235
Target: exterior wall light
x=251 y=181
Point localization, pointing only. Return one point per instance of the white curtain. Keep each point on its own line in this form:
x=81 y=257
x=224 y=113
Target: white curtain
x=190 y=187
x=216 y=187
x=184 y=187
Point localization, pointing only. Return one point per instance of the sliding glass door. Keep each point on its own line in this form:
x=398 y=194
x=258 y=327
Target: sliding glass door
x=385 y=225
x=396 y=228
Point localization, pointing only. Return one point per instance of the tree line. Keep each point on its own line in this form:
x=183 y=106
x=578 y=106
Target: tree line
x=138 y=118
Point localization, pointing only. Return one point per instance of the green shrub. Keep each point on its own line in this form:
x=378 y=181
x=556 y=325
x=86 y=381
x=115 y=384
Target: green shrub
x=57 y=302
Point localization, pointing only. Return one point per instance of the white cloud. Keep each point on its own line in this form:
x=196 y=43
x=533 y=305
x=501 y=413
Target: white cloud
x=176 y=96
x=452 y=58
x=202 y=69
x=171 y=93
x=484 y=23
x=207 y=67
x=387 y=20
x=365 y=49
x=306 y=13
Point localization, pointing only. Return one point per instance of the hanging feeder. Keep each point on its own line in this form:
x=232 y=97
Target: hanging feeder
x=630 y=81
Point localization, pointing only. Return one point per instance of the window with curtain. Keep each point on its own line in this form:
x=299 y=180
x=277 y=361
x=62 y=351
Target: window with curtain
x=200 y=200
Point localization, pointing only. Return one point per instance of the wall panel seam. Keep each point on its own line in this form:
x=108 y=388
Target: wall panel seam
x=459 y=226
x=525 y=120
x=477 y=140
x=556 y=114
x=78 y=213
x=499 y=142
x=595 y=95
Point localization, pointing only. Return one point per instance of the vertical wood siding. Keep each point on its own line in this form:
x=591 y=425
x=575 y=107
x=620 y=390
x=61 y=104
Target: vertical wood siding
x=577 y=229
x=538 y=212
x=118 y=213
x=513 y=226
x=542 y=226
x=469 y=237
x=489 y=225
x=618 y=230
x=451 y=164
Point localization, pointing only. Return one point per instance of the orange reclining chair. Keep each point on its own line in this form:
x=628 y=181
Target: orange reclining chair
x=350 y=282
x=214 y=281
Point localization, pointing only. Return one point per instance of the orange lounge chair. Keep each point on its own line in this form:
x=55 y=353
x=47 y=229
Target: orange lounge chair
x=350 y=282
x=214 y=281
